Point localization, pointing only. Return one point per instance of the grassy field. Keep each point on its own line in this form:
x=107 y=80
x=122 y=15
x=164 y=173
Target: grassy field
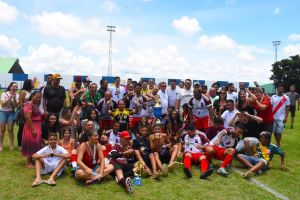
x=15 y=180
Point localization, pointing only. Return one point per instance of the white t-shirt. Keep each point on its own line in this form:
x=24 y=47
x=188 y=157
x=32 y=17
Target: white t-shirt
x=227 y=116
x=190 y=144
x=172 y=96
x=227 y=141
x=163 y=96
x=57 y=150
x=200 y=107
x=4 y=97
x=117 y=93
x=232 y=95
x=280 y=114
x=114 y=139
x=184 y=96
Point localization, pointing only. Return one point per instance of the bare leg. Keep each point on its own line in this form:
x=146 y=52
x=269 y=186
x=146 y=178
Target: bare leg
x=153 y=163
x=107 y=170
x=10 y=129
x=277 y=138
x=38 y=167
x=174 y=152
x=29 y=162
x=81 y=175
x=258 y=166
x=119 y=174
x=60 y=165
x=158 y=162
x=2 y=131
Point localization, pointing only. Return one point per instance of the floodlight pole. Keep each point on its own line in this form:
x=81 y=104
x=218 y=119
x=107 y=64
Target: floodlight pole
x=276 y=44
x=110 y=29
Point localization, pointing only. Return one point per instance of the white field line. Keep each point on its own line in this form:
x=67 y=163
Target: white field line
x=263 y=186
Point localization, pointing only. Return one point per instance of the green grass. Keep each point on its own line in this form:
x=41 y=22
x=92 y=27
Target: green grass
x=15 y=180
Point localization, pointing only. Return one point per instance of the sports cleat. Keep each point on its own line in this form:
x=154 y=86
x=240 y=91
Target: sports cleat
x=187 y=172
x=128 y=185
x=206 y=174
x=222 y=172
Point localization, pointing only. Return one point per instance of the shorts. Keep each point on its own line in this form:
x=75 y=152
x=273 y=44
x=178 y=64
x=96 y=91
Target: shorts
x=106 y=124
x=49 y=167
x=278 y=126
x=219 y=153
x=240 y=147
x=293 y=110
x=94 y=170
x=195 y=157
x=254 y=160
x=127 y=169
x=164 y=155
x=7 y=117
x=201 y=123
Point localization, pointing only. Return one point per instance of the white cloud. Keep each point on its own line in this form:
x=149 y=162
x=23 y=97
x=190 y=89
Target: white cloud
x=291 y=50
x=276 y=11
x=187 y=26
x=294 y=37
x=67 y=26
x=8 y=14
x=96 y=47
x=47 y=59
x=110 y=6
x=9 y=46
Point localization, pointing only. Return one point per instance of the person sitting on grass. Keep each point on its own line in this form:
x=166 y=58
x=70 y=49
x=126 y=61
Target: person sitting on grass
x=122 y=159
x=222 y=147
x=90 y=159
x=163 y=150
x=50 y=159
x=142 y=151
x=262 y=155
x=194 y=145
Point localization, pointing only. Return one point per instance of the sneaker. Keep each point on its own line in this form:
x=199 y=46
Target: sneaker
x=206 y=174
x=222 y=172
x=128 y=185
x=187 y=172
x=165 y=170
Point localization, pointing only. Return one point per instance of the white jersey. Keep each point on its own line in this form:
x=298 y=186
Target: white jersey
x=114 y=139
x=275 y=100
x=200 y=107
x=190 y=144
x=184 y=96
x=117 y=93
x=226 y=139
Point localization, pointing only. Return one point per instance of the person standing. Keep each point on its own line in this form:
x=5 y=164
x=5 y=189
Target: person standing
x=9 y=101
x=185 y=94
x=103 y=87
x=31 y=138
x=231 y=94
x=172 y=92
x=117 y=91
x=163 y=96
x=54 y=96
x=294 y=97
x=280 y=108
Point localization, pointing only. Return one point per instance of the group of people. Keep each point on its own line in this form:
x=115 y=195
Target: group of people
x=114 y=131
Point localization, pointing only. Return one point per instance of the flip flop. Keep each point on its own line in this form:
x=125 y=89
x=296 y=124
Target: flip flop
x=50 y=182
x=37 y=183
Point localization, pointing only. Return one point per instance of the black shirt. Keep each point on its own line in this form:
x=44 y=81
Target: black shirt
x=252 y=128
x=55 y=98
x=142 y=144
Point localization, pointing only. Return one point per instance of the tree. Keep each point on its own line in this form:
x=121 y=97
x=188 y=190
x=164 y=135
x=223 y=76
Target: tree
x=287 y=72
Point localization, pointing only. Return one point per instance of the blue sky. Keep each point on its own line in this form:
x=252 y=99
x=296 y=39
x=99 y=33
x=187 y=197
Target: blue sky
x=156 y=38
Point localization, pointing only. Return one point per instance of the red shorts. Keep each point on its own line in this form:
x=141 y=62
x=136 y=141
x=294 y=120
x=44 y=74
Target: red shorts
x=201 y=123
x=106 y=124
x=219 y=153
x=195 y=157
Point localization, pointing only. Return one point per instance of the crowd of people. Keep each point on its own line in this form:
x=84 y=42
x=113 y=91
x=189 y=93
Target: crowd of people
x=114 y=131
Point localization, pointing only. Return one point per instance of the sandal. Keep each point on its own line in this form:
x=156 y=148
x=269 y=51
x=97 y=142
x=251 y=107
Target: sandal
x=37 y=183
x=50 y=182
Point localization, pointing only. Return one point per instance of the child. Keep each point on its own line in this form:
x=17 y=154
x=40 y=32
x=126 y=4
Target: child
x=67 y=142
x=163 y=150
x=193 y=147
x=263 y=154
x=143 y=153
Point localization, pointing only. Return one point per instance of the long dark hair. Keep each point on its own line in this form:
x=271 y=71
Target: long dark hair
x=89 y=115
x=27 y=85
x=55 y=127
x=9 y=86
x=33 y=94
x=240 y=102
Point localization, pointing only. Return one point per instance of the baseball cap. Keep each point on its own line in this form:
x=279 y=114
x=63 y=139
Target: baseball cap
x=196 y=83
x=125 y=134
x=57 y=76
x=87 y=79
